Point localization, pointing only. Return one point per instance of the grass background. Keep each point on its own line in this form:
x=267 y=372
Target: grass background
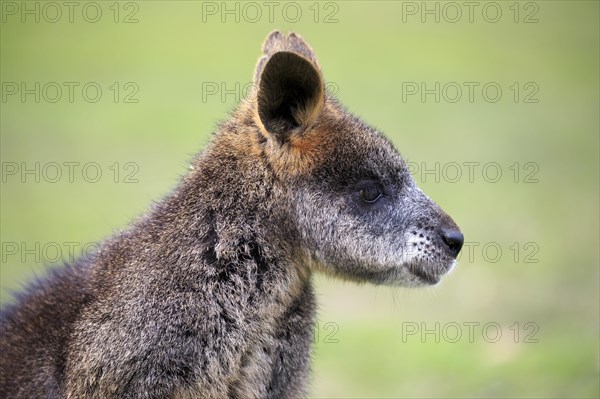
x=368 y=51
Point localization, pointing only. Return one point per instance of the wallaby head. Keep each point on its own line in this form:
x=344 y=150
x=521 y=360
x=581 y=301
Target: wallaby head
x=356 y=211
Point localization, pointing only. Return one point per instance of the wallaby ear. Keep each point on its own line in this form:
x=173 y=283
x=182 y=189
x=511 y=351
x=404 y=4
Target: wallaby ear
x=277 y=41
x=290 y=94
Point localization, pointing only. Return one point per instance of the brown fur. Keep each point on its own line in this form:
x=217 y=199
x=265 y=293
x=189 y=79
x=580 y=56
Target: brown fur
x=209 y=295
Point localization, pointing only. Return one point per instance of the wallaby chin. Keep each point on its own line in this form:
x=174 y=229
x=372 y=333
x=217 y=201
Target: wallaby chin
x=209 y=294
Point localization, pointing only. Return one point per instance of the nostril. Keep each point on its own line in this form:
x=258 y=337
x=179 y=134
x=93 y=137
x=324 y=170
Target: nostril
x=453 y=239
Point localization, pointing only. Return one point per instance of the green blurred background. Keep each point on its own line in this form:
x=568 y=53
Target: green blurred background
x=529 y=271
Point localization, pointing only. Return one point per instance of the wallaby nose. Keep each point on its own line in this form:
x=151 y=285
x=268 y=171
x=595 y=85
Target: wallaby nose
x=453 y=239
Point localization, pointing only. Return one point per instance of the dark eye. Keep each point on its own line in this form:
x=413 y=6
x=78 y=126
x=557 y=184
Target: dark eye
x=370 y=194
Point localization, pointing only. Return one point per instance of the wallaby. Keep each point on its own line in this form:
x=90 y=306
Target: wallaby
x=209 y=295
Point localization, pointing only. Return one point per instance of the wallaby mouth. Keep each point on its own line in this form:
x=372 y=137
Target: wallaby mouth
x=429 y=274
x=426 y=277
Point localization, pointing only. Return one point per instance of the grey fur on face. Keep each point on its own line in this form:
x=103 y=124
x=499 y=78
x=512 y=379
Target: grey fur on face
x=394 y=241
x=210 y=294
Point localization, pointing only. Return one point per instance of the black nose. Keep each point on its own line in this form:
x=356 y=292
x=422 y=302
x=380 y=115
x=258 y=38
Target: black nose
x=453 y=239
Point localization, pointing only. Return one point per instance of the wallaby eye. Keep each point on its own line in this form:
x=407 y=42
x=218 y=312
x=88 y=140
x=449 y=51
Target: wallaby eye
x=370 y=194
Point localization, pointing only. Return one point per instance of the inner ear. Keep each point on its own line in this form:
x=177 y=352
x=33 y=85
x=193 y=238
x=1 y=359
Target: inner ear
x=290 y=94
